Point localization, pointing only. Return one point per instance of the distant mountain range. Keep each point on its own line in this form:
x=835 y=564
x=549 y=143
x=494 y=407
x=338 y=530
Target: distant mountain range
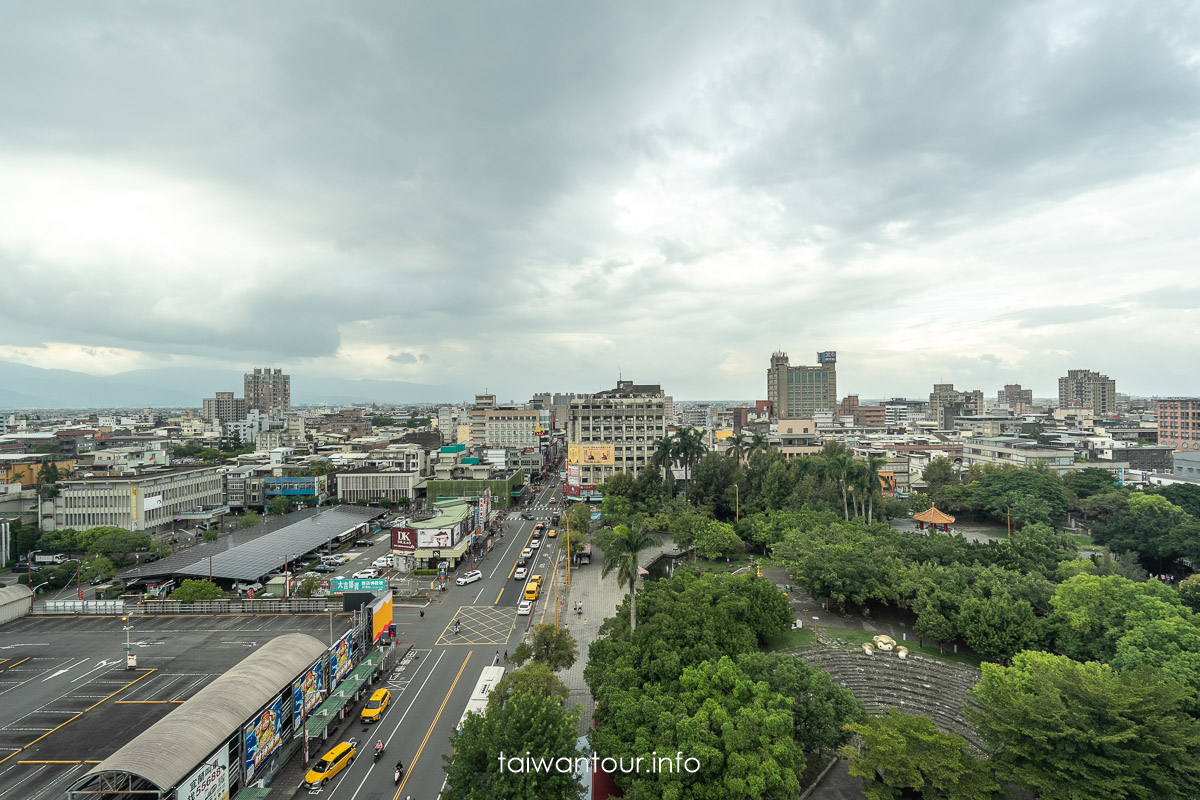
x=26 y=387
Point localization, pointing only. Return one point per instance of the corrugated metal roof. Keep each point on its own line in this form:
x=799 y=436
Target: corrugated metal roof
x=16 y=592
x=168 y=751
x=270 y=552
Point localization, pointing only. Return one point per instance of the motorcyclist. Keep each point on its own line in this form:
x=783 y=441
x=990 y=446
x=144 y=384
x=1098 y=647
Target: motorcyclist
x=378 y=747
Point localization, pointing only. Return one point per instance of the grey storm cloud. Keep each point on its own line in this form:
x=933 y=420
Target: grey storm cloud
x=579 y=184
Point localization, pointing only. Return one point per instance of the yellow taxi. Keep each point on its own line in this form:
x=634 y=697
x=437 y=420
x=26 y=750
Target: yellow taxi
x=376 y=706
x=531 y=588
x=330 y=765
x=552 y=533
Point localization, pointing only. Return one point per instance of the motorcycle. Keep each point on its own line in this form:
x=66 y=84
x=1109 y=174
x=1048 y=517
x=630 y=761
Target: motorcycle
x=399 y=773
x=378 y=750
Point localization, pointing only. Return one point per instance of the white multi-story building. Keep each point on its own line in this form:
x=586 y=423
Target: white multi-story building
x=135 y=502
x=612 y=431
x=375 y=483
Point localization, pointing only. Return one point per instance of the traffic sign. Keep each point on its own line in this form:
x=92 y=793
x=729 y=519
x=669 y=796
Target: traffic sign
x=357 y=585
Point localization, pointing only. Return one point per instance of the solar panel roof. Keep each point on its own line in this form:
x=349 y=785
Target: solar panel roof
x=270 y=552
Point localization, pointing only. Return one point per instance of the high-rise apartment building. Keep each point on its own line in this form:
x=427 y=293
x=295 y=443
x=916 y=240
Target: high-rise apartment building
x=1015 y=397
x=268 y=390
x=944 y=394
x=223 y=408
x=799 y=392
x=613 y=431
x=1083 y=388
x=1179 y=422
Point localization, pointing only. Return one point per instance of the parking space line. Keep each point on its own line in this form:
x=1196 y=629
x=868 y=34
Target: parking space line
x=77 y=716
x=12 y=666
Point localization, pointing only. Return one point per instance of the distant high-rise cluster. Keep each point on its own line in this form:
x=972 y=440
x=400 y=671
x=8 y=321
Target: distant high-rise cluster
x=268 y=390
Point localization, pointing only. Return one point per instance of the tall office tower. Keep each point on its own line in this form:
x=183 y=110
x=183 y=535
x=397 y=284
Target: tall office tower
x=799 y=392
x=268 y=390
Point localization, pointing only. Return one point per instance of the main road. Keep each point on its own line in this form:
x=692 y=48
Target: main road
x=430 y=692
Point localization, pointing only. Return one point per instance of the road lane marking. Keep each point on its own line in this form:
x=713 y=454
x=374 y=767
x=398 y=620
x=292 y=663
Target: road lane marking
x=500 y=595
x=400 y=722
x=413 y=764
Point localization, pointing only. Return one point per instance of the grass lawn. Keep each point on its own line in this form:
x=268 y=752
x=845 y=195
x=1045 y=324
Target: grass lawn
x=853 y=637
x=720 y=565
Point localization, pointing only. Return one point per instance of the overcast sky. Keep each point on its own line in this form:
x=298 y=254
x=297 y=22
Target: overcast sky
x=527 y=196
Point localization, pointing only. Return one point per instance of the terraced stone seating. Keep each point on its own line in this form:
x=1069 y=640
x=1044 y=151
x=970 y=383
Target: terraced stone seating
x=916 y=685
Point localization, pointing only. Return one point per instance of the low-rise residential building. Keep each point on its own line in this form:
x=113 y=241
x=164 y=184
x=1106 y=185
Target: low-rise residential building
x=797 y=437
x=377 y=483
x=1016 y=451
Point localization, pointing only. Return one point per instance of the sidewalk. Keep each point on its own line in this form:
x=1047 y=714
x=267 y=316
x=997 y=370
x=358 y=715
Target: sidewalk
x=600 y=600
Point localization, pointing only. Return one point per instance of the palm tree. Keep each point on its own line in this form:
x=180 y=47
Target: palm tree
x=841 y=469
x=622 y=555
x=688 y=448
x=758 y=442
x=664 y=459
x=874 y=482
x=737 y=448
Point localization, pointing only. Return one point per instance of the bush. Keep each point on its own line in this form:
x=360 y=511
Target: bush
x=425 y=572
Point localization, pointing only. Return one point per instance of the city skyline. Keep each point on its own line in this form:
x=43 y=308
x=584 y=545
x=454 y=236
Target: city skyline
x=402 y=194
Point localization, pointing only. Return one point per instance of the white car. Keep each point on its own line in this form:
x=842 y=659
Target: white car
x=383 y=562
x=367 y=573
x=469 y=577
x=535 y=544
x=520 y=573
x=525 y=607
x=527 y=553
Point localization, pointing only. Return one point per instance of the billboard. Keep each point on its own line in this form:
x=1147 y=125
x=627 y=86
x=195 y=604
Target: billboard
x=572 y=475
x=407 y=540
x=404 y=540
x=210 y=781
x=343 y=585
x=263 y=737
x=152 y=502
x=307 y=693
x=341 y=659
x=590 y=453
x=485 y=506
x=381 y=616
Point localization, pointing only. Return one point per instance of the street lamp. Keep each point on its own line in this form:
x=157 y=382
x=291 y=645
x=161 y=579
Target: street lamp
x=130 y=659
x=29 y=565
x=737 y=504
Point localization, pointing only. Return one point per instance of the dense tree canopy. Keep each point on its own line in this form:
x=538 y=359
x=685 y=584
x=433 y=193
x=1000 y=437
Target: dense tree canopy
x=1079 y=731
x=550 y=645
x=526 y=723
x=903 y=751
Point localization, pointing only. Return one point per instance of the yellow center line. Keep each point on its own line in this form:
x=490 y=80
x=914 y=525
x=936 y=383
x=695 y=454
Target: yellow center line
x=77 y=716
x=499 y=596
x=412 y=764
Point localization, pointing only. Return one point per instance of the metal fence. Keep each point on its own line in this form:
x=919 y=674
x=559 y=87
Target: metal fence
x=99 y=607
x=234 y=607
